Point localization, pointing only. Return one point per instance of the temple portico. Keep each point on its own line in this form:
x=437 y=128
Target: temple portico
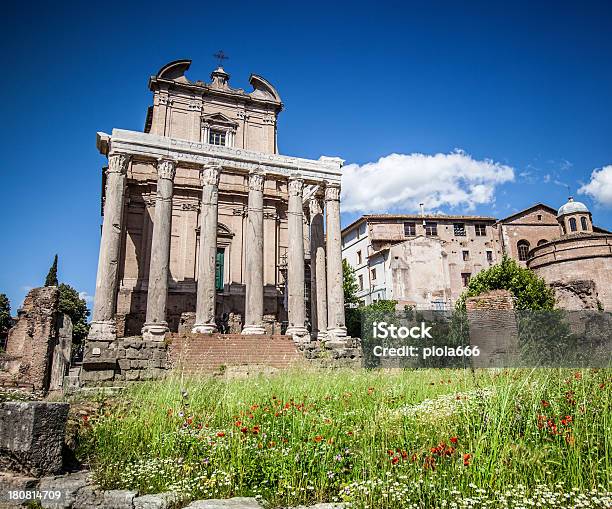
x=207 y=228
x=127 y=150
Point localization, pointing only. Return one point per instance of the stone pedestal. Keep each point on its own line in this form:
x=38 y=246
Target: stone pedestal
x=103 y=325
x=295 y=263
x=253 y=322
x=155 y=326
x=336 y=327
x=206 y=293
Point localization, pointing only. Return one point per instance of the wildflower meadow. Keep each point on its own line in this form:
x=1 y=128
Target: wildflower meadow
x=372 y=439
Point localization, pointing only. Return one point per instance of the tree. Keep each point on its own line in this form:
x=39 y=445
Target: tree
x=530 y=291
x=349 y=284
x=6 y=321
x=76 y=308
x=52 y=275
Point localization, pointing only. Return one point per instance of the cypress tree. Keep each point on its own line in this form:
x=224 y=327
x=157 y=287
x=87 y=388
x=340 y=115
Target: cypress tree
x=52 y=275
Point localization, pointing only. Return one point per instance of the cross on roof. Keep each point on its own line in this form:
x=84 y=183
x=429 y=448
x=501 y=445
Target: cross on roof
x=220 y=56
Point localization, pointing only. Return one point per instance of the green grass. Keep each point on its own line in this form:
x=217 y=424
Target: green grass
x=423 y=438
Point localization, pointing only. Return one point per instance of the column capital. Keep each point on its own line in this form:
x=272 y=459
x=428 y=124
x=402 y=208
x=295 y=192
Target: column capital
x=118 y=163
x=166 y=169
x=332 y=191
x=256 y=180
x=210 y=174
x=296 y=185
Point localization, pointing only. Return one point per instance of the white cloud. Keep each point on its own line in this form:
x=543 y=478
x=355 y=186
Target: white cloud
x=600 y=186
x=546 y=179
x=86 y=297
x=402 y=181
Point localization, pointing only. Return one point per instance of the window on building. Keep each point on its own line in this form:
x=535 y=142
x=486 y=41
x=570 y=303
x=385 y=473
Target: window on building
x=523 y=250
x=409 y=229
x=466 y=256
x=542 y=241
x=431 y=229
x=459 y=229
x=465 y=277
x=572 y=224
x=481 y=230
x=360 y=282
x=490 y=256
x=583 y=223
x=216 y=137
x=373 y=274
x=358 y=257
x=220 y=261
x=539 y=217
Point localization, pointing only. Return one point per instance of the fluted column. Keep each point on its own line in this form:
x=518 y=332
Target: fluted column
x=103 y=320
x=318 y=283
x=295 y=261
x=336 y=327
x=254 y=298
x=155 y=326
x=206 y=293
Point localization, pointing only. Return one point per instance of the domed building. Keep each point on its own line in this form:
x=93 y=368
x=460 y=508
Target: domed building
x=577 y=264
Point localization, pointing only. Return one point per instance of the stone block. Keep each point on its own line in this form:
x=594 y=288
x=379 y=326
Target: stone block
x=157 y=501
x=32 y=436
x=68 y=487
x=124 y=364
x=100 y=375
x=139 y=364
x=132 y=353
x=92 y=496
x=228 y=503
x=99 y=354
x=154 y=363
x=132 y=375
x=15 y=482
x=135 y=343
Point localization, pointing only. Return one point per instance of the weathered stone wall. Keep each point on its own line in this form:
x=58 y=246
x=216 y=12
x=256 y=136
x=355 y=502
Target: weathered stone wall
x=32 y=340
x=493 y=328
x=126 y=359
x=576 y=295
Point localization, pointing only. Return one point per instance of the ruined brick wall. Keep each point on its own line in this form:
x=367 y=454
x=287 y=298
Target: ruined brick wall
x=493 y=328
x=31 y=341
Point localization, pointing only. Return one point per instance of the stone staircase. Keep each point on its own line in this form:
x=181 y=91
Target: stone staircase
x=208 y=353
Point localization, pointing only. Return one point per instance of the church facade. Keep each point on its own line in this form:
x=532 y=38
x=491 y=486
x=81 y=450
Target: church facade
x=207 y=226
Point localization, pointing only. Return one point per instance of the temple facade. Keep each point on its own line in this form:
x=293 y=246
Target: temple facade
x=207 y=226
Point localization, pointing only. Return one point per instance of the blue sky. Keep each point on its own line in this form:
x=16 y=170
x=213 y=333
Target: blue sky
x=524 y=85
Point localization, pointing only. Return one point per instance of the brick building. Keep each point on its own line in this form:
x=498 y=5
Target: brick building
x=427 y=260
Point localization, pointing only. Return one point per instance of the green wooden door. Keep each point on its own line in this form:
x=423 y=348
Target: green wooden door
x=219 y=269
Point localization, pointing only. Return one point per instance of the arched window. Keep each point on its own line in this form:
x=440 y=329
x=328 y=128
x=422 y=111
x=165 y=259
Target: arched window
x=572 y=224
x=523 y=249
x=542 y=241
x=583 y=223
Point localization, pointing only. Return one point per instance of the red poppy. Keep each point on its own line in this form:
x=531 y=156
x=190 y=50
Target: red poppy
x=255 y=430
x=466 y=459
x=238 y=423
x=453 y=440
x=394 y=460
x=318 y=438
x=220 y=434
x=244 y=429
x=545 y=403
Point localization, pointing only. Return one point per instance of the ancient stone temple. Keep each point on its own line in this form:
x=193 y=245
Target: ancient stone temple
x=205 y=221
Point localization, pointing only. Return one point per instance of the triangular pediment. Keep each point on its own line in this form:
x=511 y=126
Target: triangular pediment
x=219 y=118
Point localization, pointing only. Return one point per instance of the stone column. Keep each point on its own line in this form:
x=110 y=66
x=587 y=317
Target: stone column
x=254 y=298
x=103 y=319
x=155 y=326
x=295 y=262
x=207 y=294
x=336 y=327
x=318 y=283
